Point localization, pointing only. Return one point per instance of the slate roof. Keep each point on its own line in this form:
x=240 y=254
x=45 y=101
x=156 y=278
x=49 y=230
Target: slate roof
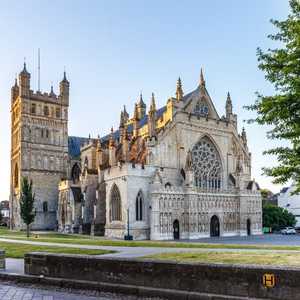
x=75 y=142
x=284 y=190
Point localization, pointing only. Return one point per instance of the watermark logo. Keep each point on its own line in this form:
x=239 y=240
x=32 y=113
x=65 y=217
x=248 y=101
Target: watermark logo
x=269 y=280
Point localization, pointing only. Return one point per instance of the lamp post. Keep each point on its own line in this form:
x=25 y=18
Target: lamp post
x=128 y=237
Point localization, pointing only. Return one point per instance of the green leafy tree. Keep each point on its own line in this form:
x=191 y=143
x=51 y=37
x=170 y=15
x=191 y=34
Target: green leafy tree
x=277 y=217
x=264 y=193
x=26 y=203
x=282 y=110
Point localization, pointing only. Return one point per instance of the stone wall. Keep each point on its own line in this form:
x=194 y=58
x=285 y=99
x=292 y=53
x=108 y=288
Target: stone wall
x=240 y=281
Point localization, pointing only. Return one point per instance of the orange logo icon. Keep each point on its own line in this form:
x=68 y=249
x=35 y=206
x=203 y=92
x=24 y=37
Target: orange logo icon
x=269 y=280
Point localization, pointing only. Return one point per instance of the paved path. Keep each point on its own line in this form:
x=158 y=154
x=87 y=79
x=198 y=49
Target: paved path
x=121 y=251
x=14 y=266
x=127 y=252
x=13 y=292
x=266 y=239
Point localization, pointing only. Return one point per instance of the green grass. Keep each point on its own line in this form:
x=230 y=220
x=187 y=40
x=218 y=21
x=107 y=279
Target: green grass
x=100 y=241
x=18 y=250
x=248 y=258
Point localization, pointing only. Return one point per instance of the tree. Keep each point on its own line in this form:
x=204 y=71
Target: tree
x=26 y=203
x=282 y=110
x=277 y=217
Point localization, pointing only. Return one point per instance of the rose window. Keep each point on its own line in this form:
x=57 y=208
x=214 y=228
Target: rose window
x=206 y=164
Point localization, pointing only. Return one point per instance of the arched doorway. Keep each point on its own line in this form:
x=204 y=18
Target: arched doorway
x=248 y=227
x=214 y=226
x=176 y=230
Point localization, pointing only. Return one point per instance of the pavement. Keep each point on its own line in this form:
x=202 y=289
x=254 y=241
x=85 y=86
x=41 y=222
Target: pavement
x=265 y=239
x=14 y=266
x=10 y=291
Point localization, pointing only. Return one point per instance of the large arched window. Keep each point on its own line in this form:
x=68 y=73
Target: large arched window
x=206 y=164
x=16 y=176
x=75 y=174
x=115 y=204
x=139 y=206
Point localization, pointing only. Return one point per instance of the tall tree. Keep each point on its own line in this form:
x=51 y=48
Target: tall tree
x=282 y=110
x=26 y=203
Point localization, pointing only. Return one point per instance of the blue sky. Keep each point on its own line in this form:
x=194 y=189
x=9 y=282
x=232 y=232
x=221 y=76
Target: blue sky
x=112 y=50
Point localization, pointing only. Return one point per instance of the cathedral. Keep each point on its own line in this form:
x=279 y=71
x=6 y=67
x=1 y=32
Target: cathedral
x=181 y=171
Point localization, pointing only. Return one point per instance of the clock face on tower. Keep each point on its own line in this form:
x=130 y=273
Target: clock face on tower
x=201 y=109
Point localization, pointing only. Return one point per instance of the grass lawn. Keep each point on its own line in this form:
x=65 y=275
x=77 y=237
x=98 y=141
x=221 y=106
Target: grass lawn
x=248 y=258
x=18 y=250
x=100 y=241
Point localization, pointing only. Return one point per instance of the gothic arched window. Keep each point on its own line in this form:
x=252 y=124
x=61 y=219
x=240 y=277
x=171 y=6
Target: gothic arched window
x=115 y=204
x=45 y=206
x=57 y=112
x=33 y=108
x=139 y=206
x=168 y=185
x=201 y=109
x=46 y=110
x=206 y=164
x=75 y=173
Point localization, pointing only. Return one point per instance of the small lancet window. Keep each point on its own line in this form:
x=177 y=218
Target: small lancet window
x=45 y=206
x=57 y=112
x=46 y=110
x=33 y=108
x=139 y=206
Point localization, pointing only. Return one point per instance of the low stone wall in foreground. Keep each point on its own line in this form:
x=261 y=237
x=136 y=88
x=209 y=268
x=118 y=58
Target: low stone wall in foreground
x=177 y=278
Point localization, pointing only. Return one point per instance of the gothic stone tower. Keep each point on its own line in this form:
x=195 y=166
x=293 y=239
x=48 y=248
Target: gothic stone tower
x=39 y=147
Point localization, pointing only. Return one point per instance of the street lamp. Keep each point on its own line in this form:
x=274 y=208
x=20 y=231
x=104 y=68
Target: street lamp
x=128 y=237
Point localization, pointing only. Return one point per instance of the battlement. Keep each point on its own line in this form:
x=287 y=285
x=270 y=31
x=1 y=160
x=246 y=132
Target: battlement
x=45 y=97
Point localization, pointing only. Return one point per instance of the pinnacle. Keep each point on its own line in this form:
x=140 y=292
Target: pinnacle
x=202 y=81
x=179 y=92
x=141 y=101
x=179 y=82
x=24 y=71
x=228 y=97
x=153 y=105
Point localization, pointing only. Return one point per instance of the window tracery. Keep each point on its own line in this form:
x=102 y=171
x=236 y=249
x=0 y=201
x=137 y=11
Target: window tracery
x=206 y=164
x=139 y=206
x=115 y=204
x=201 y=109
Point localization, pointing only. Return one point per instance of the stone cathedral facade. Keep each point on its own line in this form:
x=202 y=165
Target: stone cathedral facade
x=176 y=172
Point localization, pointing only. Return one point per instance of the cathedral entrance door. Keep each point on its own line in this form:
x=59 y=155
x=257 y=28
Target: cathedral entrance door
x=214 y=226
x=176 y=230
x=248 y=227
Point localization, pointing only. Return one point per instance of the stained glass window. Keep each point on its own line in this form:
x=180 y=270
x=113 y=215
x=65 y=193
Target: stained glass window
x=206 y=164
